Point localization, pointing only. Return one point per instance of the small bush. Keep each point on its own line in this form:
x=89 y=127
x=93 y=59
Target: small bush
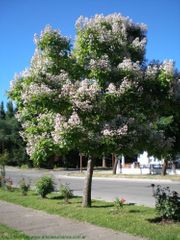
x=24 y=187
x=167 y=203
x=119 y=204
x=8 y=184
x=66 y=192
x=44 y=186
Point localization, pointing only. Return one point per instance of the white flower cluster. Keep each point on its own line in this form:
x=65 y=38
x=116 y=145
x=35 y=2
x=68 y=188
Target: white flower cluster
x=61 y=124
x=168 y=67
x=119 y=25
x=33 y=141
x=115 y=19
x=40 y=63
x=35 y=90
x=61 y=78
x=88 y=88
x=139 y=44
x=74 y=120
x=49 y=30
x=45 y=120
x=128 y=65
x=102 y=63
x=152 y=70
x=125 y=85
x=84 y=94
x=17 y=77
x=115 y=132
x=68 y=89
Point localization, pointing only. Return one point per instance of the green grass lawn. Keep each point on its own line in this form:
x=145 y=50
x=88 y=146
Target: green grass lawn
x=11 y=234
x=135 y=220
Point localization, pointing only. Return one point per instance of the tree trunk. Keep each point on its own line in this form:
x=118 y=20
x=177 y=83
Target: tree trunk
x=87 y=184
x=104 y=161
x=113 y=159
x=3 y=175
x=115 y=165
x=164 y=167
x=80 y=161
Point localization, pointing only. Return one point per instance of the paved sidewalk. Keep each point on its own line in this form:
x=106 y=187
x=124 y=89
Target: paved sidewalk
x=38 y=223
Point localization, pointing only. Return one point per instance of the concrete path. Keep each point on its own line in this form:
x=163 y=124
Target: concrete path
x=38 y=223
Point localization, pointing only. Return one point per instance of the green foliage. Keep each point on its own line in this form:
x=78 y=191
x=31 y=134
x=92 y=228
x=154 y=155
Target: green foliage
x=44 y=186
x=119 y=204
x=10 y=138
x=10 y=110
x=66 y=192
x=24 y=186
x=167 y=203
x=2 y=111
x=10 y=233
x=9 y=184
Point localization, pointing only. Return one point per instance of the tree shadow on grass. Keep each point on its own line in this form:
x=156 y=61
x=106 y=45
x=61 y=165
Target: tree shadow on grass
x=103 y=206
x=130 y=204
x=134 y=211
x=159 y=220
x=58 y=197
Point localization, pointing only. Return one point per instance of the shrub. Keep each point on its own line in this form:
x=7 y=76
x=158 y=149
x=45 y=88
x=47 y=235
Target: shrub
x=65 y=192
x=9 y=184
x=24 y=187
x=167 y=203
x=1 y=181
x=119 y=204
x=44 y=186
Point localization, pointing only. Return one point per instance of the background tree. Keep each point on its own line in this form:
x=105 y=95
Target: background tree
x=10 y=140
x=2 y=111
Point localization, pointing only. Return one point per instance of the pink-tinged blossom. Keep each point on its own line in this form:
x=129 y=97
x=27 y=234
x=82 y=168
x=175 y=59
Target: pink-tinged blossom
x=128 y=65
x=139 y=44
x=59 y=121
x=33 y=142
x=122 y=131
x=59 y=125
x=88 y=88
x=40 y=63
x=112 y=89
x=101 y=63
x=35 y=90
x=68 y=89
x=58 y=79
x=74 y=120
x=100 y=23
x=83 y=105
x=125 y=85
x=17 y=77
x=168 y=67
x=14 y=81
x=152 y=70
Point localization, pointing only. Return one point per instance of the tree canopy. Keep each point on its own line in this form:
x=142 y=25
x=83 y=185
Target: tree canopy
x=99 y=97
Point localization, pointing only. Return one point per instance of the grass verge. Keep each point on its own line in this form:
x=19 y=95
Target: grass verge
x=108 y=174
x=11 y=234
x=136 y=220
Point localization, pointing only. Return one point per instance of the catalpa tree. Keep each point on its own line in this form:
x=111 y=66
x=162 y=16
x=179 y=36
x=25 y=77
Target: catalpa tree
x=98 y=98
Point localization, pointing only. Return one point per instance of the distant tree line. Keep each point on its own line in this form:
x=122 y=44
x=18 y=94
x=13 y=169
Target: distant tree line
x=11 y=142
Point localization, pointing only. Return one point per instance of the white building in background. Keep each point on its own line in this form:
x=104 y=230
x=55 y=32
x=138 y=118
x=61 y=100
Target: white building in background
x=145 y=165
x=145 y=160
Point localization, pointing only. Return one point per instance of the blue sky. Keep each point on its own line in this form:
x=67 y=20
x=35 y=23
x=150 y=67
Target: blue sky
x=20 y=19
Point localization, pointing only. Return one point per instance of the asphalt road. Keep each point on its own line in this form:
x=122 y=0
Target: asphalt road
x=134 y=191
